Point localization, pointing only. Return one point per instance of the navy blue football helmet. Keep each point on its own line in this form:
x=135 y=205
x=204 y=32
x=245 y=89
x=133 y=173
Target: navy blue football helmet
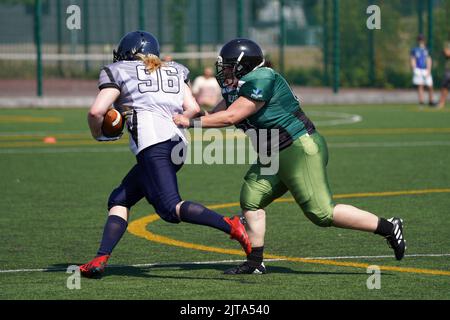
x=237 y=58
x=136 y=42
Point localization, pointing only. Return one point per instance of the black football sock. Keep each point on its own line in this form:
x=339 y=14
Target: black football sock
x=384 y=227
x=114 y=229
x=255 y=258
x=197 y=214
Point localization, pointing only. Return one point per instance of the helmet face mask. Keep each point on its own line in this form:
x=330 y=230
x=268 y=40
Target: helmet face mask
x=237 y=58
x=225 y=73
x=133 y=43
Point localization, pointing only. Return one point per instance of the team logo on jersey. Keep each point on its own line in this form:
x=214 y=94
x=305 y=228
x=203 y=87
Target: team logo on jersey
x=256 y=94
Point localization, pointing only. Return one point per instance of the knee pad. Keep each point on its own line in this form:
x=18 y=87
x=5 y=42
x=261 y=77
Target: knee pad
x=168 y=211
x=256 y=214
x=118 y=198
x=321 y=218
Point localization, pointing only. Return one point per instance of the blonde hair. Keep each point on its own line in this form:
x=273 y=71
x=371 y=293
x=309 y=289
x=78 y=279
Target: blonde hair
x=151 y=61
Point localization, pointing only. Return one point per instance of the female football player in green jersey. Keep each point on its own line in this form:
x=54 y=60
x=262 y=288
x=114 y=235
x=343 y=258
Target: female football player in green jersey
x=258 y=98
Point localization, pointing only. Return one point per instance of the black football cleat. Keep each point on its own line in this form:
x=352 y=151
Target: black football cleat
x=396 y=240
x=245 y=268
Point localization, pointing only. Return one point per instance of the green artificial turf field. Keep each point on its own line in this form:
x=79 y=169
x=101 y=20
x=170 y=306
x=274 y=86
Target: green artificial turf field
x=395 y=161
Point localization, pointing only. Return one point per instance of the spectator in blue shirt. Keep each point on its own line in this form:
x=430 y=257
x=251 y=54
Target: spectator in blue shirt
x=421 y=64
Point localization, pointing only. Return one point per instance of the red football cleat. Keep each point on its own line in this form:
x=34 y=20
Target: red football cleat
x=95 y=267
x=238 y=233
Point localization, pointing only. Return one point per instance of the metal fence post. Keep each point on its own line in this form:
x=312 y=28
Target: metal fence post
x=239 y=15
x=371 y=57
x=38 y=41
x=325 y=42
x=141 y=12
x=86 y=32
x=336 y=46
x=430 y=26
x=160 y=10
x=59 y=29
x=420 y=15
x=177 y=15
x=282 y=39
x=122 y=17
x=219 y=22
x=447 y=14
x=199 y=30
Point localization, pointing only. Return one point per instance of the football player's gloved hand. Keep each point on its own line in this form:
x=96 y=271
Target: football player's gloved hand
x=127 y=114
x=103 y=138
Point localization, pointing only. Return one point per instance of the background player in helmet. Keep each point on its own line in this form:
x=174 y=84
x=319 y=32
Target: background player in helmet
x=152 y=92
x=256 y=97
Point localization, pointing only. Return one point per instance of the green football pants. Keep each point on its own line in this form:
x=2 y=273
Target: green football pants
x=302 y=171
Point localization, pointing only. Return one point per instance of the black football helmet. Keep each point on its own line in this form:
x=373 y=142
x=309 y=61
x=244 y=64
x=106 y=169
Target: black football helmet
x=237 y=58
x=136 y=42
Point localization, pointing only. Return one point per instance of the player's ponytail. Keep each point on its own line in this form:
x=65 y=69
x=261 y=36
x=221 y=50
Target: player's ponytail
x=151 y=61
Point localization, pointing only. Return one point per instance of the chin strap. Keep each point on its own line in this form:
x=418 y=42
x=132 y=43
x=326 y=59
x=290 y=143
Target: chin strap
x=260 y=65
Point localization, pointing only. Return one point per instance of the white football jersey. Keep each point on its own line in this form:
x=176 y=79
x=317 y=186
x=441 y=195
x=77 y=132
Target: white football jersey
x=153 y=97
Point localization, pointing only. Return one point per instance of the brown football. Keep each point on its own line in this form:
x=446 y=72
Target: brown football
x=112 y=123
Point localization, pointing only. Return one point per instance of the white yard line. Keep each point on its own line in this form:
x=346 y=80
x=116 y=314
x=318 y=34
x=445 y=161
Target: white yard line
x=339 y=118
x=380 y=257
x=174 y=264
x=393 y=144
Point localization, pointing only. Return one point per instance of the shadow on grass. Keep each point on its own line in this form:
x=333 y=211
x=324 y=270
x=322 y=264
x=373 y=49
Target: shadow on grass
x=146 y=271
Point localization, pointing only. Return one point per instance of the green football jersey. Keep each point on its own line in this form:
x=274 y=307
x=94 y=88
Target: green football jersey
x=281 y=109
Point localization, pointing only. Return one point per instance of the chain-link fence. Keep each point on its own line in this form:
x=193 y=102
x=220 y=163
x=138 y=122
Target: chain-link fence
x=312 y=42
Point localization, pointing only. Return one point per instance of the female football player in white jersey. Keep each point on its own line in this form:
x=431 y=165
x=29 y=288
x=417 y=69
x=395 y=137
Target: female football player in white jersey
x=149 y=92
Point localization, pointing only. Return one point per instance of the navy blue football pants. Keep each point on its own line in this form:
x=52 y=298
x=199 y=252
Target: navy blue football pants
x=153 y=177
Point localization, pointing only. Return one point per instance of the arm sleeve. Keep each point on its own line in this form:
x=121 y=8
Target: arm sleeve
x=107 y=79
x=257 y=89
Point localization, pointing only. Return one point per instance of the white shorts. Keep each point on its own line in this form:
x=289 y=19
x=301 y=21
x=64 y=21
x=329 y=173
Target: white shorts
x=421 y=78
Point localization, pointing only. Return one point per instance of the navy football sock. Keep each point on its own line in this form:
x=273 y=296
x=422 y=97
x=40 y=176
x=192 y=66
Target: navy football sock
x=114 y=229
x=256 y=257
x=384 y=227
x=197 y=214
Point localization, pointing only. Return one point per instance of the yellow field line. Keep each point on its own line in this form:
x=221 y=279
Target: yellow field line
x=20 y=137
x=58 y=144
x=16 y=141
x=432 y=110
x=361 y=265
x=21 y=140
x=139 y=228
x=390 y=193
x=340 y=132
